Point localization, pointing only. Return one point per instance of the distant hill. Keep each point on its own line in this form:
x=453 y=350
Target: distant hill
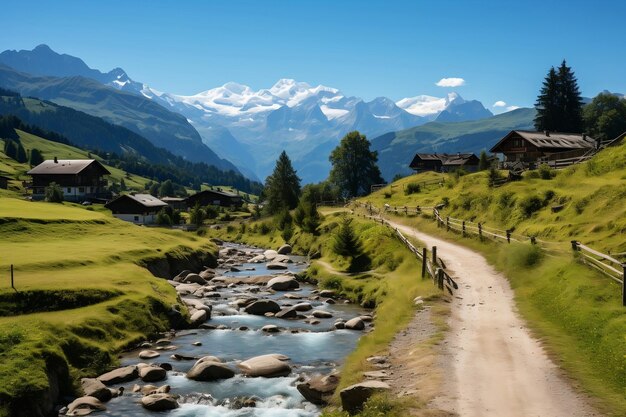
x=160 y=126
x=396 y=149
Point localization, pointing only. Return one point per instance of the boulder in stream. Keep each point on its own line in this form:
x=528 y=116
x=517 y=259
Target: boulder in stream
x=148 y=354
x=152 y=373
x=159 y=402
x=355 y=324
x=261 y=307
x=319 y=388
x=321 y=314
x=209 y=370
x=84 y=406
x=284 y=249
x=283 y=283
x=117 y=376
x=93 y=388
x=276 y=265
x=267 y=366
x=194 y=279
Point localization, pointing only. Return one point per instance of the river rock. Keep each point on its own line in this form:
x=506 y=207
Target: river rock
x=284 y=250
x=287 y=313
x=261 y=307
x=207 y=359
x=283 y=283
x=184 y=289
x=283 y=259
x=321 y=314
x=328 y=293
x=84 y=405
x=194 y=279
x=353 y=397
x=276 y=265
x=152 y=373
x=148 y=354
x=340 y=325
x=270 y=328
x=117 y=376
x=181 y=275
x=303 y=307
x=199 y=317
x=270 y=254
x=319 y=388
x=210 y=371
x=355 y=324
x=257 y=259
x=267 y=366
x=159 y=402
x=93 y=388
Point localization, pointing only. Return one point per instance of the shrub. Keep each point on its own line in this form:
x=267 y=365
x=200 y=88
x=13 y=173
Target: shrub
x=548 y=195
x=284 y=219
x=506 y=199
x=211 y=212
x=530 y=204
x=545 y=172
x=264 y=228
x=54 y=193
x=387 y=194
x=412 y=188
x=196 y=215
x=493 y=176
x=525 y=256
x=287 y=232
x=163 y=218
x=580 y=205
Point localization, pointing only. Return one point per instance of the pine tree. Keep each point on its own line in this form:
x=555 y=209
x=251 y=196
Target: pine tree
x=36 y=157
x=346 y=241
x=21 y=155
x=354 y=168
x=559 y=104
x=483 y=162
x=282 y=188
x=10 y=149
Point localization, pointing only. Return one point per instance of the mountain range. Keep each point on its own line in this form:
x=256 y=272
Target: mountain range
x=244 y=126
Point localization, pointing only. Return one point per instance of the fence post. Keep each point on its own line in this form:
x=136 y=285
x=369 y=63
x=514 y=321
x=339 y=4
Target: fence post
x=574 y=245
x=424 y=260
x=435 y=255
x=447 y=223
x=440 y=278
x=533 y=240
x=480 y=231
x=508 y=236
x=463 y=228
x=624 y=285
x=12 y=283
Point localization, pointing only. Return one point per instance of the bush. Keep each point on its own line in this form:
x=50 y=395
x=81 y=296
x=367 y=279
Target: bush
x=530 y=204
x=264 y=228
x=545 y=172
x=506 y=199
x=284 y=219
x=525 y=256
x=493 y=176
x=412 y=188
x=196 y=215
x=387 y=194
x=211 y=212
x=287 y=232
x=54 y=193
x=548 y=195
x=163 y=218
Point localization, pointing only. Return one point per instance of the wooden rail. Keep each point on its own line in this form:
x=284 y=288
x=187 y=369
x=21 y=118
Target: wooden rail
x=604 y=263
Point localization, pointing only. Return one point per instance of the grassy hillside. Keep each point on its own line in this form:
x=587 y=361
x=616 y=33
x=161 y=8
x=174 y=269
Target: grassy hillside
x=396 y=149
x=51 y=149
x=82 y=293
x=575 y=310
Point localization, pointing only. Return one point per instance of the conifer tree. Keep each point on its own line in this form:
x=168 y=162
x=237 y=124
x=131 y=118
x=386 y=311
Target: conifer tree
x=36 y=157
x=346 y=241
x=21 y=155
x=10 y=149
x=282 y=188
x=483 y=162
x=559 y=104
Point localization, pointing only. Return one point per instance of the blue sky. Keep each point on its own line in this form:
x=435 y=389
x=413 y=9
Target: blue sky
x=502 y=49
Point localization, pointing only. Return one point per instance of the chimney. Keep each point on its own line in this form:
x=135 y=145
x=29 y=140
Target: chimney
x=56 y=161
x=547 y=132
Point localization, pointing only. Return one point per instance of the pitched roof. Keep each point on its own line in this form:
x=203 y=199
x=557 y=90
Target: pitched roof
x=145 y=200
x=65 y=167
x=446 y=159
x=550 y=140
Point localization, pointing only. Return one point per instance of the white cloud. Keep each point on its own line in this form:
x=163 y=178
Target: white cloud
x=511 y=108
x=450 y=82
x=499 y=103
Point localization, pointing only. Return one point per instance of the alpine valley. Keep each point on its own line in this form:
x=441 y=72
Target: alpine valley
x=249 y=128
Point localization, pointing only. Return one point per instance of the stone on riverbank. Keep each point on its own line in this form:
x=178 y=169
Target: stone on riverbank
x=93 y=388
x=159 y=402
x=276 y=265
x=354 y=396
x=303 y=307
x=261 y=307
x=148 y=354
x=355 y=324
x=284 y=250
x=270 y=328
x=267 y=366
x=194 y=279
x=117 y=376
x=199 y=317
x=287 y=313
x=84 y=406
x=319 y=389
x=321 y=314
x=270 y=254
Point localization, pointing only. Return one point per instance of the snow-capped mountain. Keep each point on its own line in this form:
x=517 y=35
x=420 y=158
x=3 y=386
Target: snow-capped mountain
x=251 y=127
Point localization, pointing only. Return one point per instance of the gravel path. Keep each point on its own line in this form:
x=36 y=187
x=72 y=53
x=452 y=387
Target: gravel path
x=494 y=367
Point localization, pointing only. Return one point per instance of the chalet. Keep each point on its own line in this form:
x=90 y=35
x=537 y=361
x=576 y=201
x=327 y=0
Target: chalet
x=4 y=182
x=137 y=208
x=527 y=147
x=80 y=179
x=444 y=162
x=176 y=203
x=214 y=198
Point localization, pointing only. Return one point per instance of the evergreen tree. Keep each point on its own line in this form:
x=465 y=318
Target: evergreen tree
x=36 y=157
x=559 y=104
x=154 y=189
x=282 y=188
x=483 y=162
x=354 y=168
x=346 y=241
x=605 y=116
x=21 y=155
x=166 y=189
x=10 y=149
x=123 y=185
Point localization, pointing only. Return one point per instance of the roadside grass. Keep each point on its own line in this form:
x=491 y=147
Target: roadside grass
x=576 y=311
x=390 y=284
x=94 y=260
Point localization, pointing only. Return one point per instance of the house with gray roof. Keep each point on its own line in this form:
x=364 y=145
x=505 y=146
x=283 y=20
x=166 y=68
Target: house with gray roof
x=79 y=179
x=443 y=162
x=136 y=208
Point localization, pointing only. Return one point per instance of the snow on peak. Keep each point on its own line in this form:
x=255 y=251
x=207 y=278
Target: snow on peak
x=424 y=105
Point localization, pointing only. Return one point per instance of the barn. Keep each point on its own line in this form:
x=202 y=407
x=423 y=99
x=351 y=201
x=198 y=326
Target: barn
x=214 y=198
x=136 y=208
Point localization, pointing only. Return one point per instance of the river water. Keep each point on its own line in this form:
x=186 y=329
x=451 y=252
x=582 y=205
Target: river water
x=312 y=348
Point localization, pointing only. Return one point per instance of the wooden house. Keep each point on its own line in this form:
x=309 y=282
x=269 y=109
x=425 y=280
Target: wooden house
x=79 y=179
x=176 y=203
x=527 y=147
x=137 y=208
x=214 y=198
x=4 y=182
x=444 y=162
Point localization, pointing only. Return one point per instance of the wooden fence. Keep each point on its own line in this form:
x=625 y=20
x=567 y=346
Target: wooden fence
x=604 y=263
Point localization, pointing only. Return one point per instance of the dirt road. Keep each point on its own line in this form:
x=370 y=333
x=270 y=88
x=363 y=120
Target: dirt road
x=494 y=367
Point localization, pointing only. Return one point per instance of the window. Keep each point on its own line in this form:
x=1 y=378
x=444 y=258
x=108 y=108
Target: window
x=81 y=189
x=136 y=218
x=69 y=190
